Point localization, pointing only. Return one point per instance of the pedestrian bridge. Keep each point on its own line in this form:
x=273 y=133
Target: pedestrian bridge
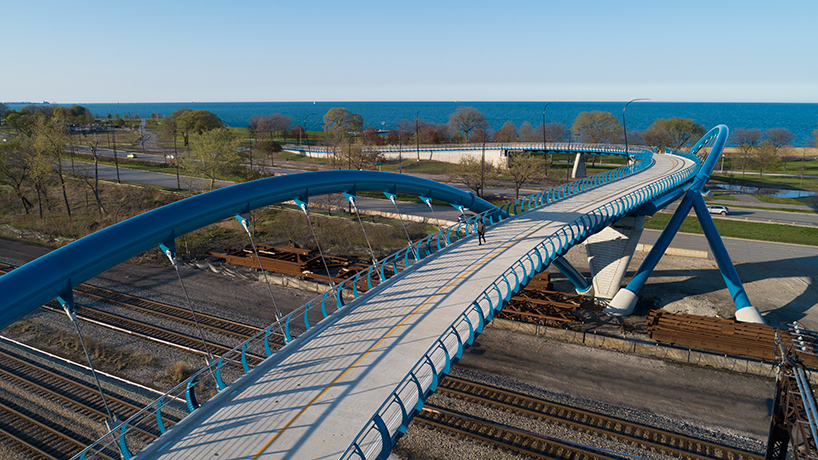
x=360 y=360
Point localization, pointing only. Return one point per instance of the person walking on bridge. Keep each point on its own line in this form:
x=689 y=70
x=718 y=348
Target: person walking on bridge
x=481 y=231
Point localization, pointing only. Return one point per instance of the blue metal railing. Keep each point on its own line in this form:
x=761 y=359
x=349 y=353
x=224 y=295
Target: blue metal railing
x=565 y=147
x=423 y=378
x=391 y=419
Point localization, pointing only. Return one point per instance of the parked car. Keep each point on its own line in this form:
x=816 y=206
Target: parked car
x=718 y=209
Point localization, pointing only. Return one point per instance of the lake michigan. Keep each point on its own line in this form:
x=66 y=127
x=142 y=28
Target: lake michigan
x=801 y=119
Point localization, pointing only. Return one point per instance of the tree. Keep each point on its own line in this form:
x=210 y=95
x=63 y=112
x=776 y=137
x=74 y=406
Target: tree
x=50 y=139
x=280 y=123
x=340 y=122
x=216 y=154
x=472 y=173
x=14 y=169
x=480 y=136
x=372 y=136
x=746 y=140
x=597 y=128
x=779 y=138
x=507 y=133
x=94 y=185
x=467 y=119
x=815 y=137
x=674 y=133
x=195 y=121
x=22 y=121
x=357 y=155
x=554 y=132
x=765 y=157
x=526 y=133
x=524 y=168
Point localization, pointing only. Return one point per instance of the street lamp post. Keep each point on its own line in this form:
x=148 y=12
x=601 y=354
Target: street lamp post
x=543 y=127
x=417 y=132
x=305 y=130
x=482 y=169
x=624 y=128
x=400 y=150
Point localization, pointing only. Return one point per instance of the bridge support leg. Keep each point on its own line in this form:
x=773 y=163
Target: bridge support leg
x=610 y=252
x=745 y=311
x=581 y=283
x=579 y=167
x=625 y=300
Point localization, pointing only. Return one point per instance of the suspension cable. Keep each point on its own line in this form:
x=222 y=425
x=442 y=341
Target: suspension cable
x=172 y=258
x=68 y=306
x=391 y=197
x=428 y=202
x=351 y=199
x=304 y=207
x=245 y=223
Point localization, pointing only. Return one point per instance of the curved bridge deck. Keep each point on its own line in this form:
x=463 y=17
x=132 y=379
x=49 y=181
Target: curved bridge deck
x=314 y=397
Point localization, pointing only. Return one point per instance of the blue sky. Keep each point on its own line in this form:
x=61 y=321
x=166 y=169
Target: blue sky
x=215 y=51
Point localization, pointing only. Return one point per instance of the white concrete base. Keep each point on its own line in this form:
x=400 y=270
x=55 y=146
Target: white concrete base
x=749 y=315
x=622 y=304
x=609 y=254
x=579 y=167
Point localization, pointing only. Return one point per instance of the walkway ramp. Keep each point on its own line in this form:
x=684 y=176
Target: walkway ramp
x=316 y=396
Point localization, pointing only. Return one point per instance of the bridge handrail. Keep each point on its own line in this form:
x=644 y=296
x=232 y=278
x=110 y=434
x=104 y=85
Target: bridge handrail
x=399 y=261
x=593 y=149
x=185 y=391
x=391 y=419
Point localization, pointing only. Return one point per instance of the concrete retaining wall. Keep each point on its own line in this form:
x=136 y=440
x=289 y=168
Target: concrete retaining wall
x=644 y=348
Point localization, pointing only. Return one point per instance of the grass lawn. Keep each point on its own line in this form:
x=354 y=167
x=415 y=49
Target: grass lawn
x=739 y=229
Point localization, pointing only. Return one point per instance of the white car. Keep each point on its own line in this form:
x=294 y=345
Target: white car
x=718 y=209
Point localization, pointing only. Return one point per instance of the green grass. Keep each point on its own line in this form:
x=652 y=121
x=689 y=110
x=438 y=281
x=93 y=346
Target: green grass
x=766 y=180
x=721 y=197
x=804 y=201
x=412 y=166
x=740 y=229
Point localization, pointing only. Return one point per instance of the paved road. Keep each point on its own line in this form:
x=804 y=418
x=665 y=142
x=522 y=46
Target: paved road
x=135 y=176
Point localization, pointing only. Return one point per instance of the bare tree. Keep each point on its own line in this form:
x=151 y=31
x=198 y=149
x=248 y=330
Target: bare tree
x=765 y=157
x=524 y=168
x=527 y=133
x=779 y=138
x=94 y=185
x=50 y=140
x=746 y=140
x=473 y=173
x=507 y=133
x=467 y=119
x=14 y=169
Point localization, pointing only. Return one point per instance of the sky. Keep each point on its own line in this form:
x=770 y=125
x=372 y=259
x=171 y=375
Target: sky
x=444 y=50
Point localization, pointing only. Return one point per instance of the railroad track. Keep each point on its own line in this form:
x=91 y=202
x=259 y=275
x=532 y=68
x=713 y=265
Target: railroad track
x=504 y=437
x=33 y=428
x=187 y=342
x=668 y=442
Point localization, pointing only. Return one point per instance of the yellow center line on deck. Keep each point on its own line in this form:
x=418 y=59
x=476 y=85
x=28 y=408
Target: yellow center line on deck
x=376 y=345
x=441 y=291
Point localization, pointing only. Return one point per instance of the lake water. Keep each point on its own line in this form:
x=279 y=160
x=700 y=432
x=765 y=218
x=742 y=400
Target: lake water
x=801 y=119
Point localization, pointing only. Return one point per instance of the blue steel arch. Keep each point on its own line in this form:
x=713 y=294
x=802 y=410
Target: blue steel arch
x=57 y=273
